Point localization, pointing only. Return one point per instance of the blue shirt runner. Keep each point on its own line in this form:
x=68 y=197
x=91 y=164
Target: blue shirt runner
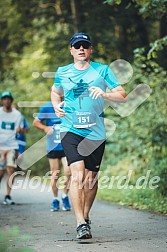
x=47 y=114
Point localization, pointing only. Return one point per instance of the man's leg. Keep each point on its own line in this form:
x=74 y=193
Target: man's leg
x=91 y=186
x=2 y=164
x=67 y=177
x=10 y=170
x=55 y=170
x=77 y=190
x=90 y=189
x=67 y=174
x=1 y=174
x=11 y=156
x=78 y=198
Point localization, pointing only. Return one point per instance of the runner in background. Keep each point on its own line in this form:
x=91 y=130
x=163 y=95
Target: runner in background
x=11 y=123
x=47 y=121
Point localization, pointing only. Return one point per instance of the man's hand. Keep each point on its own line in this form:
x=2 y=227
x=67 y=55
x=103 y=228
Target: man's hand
x=49 y=130
x=58 y=111
x=96 y=92
x=19 y=130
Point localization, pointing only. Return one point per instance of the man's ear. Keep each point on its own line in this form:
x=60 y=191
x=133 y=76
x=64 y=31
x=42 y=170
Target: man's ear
x=71 y=50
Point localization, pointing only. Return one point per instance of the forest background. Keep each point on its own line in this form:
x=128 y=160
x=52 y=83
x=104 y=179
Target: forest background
x=34 y=39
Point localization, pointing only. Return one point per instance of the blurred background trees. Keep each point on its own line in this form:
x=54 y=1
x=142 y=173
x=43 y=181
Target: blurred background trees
x=34 y=39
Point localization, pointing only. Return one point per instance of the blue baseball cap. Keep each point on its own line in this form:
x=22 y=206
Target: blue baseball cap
x=81 y=36
x=6 y=94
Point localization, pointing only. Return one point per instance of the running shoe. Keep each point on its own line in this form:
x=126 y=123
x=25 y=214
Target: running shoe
x=66 y=204
x=88 y=222
x=83 y=232
x=8 y=200
x=55 y=205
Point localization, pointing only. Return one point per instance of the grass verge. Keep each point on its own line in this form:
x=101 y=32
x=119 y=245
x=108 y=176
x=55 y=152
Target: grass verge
x=140 y=199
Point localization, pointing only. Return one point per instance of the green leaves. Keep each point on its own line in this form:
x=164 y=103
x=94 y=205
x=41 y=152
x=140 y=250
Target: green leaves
x=10 y=240
x=158 y=45
x=113 y=2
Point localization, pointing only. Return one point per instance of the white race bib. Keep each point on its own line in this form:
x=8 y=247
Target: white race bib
x=83 y=119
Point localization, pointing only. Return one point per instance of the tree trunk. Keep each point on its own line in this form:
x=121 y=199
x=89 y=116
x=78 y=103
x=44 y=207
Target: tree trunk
x=76 y=17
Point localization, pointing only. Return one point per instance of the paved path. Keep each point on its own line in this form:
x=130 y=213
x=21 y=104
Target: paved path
x=114 y=228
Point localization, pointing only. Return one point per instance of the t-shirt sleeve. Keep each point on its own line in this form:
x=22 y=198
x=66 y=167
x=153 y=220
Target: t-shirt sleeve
x=42 y=115
x=57 y=80
x=110 y=78
x=20 y=121
x=26 y=126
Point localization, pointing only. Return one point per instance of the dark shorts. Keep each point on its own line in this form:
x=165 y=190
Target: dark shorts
x=56 y=154
x=91 y=151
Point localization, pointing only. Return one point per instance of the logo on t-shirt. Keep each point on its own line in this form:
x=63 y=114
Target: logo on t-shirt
x=80 y=90
x=8 y=125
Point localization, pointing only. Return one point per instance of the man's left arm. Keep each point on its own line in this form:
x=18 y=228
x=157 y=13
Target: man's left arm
x=116 y=94
x=20 y=124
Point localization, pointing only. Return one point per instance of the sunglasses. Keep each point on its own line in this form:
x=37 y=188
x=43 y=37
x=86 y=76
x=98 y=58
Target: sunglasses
x=85 y=45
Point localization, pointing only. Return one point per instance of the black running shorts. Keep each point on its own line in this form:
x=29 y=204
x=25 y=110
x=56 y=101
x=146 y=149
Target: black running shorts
x=78 y=148
x=56 y=154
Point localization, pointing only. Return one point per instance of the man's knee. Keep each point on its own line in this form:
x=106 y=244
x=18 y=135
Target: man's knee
x=67 y=173
x=55 y=174
x=77 y=179
x=10 y=170
x=92 y=180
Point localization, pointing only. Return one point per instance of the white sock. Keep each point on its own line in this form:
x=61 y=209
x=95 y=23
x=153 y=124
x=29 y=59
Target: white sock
x=56 y=198
x=64 y=195
x=80 y=223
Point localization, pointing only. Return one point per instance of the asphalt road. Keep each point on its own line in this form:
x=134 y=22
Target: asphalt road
x=114 y=228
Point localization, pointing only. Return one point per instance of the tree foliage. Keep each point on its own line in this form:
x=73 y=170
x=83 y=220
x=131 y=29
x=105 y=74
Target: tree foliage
x=35 y=39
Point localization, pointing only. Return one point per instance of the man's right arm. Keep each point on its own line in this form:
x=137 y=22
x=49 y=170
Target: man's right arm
x=56 y=98
x=39 y=125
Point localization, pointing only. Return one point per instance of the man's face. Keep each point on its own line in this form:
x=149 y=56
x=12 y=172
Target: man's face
x=7 y=102
x=81 y=51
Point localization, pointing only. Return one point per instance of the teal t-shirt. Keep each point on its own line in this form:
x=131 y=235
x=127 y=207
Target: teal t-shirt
x=84 y=115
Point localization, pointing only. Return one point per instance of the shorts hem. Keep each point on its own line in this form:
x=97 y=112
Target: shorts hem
x=55 y=154
x=75 y=160
x=81 y=159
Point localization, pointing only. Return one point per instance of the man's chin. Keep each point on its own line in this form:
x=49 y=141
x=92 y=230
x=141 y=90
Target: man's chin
x=82 y=60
